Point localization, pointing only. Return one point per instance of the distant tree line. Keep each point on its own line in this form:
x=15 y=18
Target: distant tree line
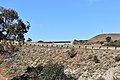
x=110 y=42
x=79 y=42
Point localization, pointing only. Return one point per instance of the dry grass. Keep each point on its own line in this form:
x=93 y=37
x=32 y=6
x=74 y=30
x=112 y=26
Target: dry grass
x=102 y=37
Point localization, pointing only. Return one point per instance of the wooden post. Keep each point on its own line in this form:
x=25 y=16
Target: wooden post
x=115 y=47
x=92 y=47
x=107 y=47
x=100 y=47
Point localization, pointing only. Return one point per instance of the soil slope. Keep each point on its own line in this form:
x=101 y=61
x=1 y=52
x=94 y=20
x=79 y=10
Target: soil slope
x=102 y=37
x=82 y=66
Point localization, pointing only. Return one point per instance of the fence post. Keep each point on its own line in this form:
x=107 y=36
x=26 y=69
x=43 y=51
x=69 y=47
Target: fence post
x=67 y=46
x=100 y=47
x=92 y=47
x=51 y=45
x=115 y=47
x=107 y=47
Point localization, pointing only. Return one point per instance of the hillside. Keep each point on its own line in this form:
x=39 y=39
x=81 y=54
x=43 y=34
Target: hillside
x=102 y=37
x=88 y=64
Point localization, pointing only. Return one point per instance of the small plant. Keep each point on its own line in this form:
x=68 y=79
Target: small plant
x=95 y=59
x=108 y=39
x=90 y=56
x=101 y=42
x=16 y=48
x=1 y=62
x=72 y=53
x=101 y=78
x=1 y=49
x=117 y=58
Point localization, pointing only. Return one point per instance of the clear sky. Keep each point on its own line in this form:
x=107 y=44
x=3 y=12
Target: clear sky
x=67 y=19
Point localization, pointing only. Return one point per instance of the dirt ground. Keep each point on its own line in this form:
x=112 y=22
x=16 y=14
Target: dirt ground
x=2 y=78
x=1 y=75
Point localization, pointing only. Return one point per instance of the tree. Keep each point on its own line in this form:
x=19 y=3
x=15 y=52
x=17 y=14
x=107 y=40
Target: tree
x=29 y=40
x=108 y=39
x=11 y=26
x=40 y=41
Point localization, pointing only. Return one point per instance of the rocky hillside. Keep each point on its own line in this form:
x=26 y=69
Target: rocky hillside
x=102 y=37
x=83 y=64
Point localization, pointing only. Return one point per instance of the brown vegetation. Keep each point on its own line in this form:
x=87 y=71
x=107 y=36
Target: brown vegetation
x=102 y=37
x=85 y=60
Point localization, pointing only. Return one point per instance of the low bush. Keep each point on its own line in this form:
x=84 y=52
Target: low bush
x=117 y=58
x=1 y=49
x=113 y=43
x=1 y=62
x=8 y=47
x=47 y=72
x=72 y=53
x=90 y=56
x=95 y=59
x=15 y=48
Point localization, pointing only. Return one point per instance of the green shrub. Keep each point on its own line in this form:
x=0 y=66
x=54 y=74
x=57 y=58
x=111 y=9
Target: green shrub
x=113 y=43
x=1 y=62
x=117 y=58
x=90 y=56
x=15 y=48
x=78 y=42
x=108 y=39
x=1 y=49
x=47 y=72
x=72 y=53
x=95 y=59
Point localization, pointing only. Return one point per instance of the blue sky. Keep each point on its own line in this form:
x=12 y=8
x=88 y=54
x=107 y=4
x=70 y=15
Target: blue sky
x=67 y=19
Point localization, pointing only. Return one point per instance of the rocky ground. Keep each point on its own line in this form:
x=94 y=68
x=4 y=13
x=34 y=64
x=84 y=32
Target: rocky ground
x=85 y=64
x=2 y=78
